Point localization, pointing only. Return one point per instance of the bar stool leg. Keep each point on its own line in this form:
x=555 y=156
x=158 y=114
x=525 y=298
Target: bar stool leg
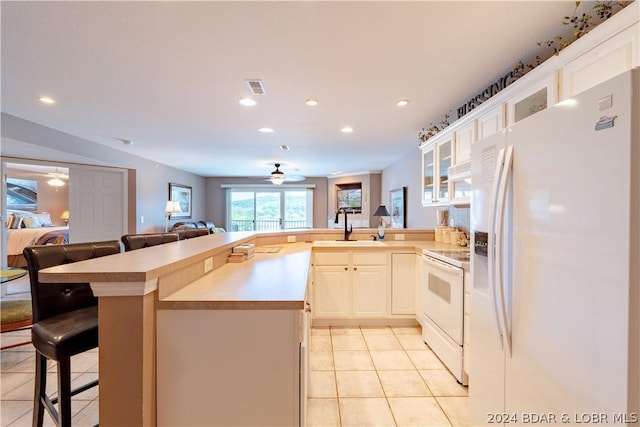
x=40 y=390
x=64 y=392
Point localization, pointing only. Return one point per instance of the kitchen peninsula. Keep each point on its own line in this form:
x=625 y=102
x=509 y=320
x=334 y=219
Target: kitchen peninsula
x=166 y=312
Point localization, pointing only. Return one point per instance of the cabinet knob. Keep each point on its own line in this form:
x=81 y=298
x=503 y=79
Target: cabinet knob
x=355 y=268
x=346 y=268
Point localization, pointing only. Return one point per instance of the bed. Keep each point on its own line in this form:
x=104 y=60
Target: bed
x=40 y=233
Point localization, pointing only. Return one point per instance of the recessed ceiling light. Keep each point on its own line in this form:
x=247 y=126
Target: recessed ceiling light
x=46 y=100
x=248 y=102
x=311 y=102
x=284 y=147
x=402 y=102
x=265 y=130
x=347 y=129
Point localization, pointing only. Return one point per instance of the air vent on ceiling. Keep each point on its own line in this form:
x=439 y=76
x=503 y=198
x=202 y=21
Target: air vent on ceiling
x=256 y=87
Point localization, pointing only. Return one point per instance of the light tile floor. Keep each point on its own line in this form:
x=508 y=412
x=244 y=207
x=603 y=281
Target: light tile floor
x=360 y=376
x=380 y=376
x=17 y=367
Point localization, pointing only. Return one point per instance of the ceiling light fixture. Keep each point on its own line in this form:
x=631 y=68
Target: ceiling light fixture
x=248 y=102
x=277 y=176
x=311 y=102
x=402 y=102
x=284 y=147
x=56 y=182
x=346 y=129
x=46 y=100
x=266 y=130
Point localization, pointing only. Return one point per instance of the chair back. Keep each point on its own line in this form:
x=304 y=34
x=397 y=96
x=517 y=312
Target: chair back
x=132 y=242
x=51 y=299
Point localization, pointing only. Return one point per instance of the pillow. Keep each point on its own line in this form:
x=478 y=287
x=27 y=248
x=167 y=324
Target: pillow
x=17 y=222
x=31 y=222
x=43 y=218
x=10 y=219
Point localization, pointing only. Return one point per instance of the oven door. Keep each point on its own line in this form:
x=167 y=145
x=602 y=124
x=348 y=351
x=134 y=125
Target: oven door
x=444 y=296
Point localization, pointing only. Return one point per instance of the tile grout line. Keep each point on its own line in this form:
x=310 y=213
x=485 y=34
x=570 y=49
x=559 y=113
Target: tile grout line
x=386 y=398
x=335 y=375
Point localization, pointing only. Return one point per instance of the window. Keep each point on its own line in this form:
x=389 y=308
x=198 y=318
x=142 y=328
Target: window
x=269 y=209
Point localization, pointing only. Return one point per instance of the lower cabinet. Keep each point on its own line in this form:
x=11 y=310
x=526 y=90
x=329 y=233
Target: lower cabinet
x=370 y=291
x=332 y=291
x=403 y=283
x=232 y=367
x=351 y=284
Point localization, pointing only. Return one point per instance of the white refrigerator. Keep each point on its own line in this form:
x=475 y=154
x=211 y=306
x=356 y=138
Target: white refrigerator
x=555 y=299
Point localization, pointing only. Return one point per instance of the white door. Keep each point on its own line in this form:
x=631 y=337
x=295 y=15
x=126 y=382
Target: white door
x=486 y=385
x=97 y=204
x=370 y=291
x=571 y=304
x=403 y=269
x=332 y=288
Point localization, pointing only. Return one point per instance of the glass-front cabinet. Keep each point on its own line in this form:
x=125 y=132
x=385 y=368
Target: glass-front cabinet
x=436 y=160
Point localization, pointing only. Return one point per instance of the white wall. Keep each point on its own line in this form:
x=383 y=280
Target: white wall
x=22 y=139
x=406 y=172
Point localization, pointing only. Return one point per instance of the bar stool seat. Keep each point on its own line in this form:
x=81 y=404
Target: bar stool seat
x=67 y=334
x=65 y=323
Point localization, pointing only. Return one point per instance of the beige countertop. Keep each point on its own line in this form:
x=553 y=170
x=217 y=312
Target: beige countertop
x=144 y=264
x=269 y=280
x=266 y=281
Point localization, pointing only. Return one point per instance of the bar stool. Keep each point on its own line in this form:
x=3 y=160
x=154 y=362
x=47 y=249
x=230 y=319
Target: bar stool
x=65 y=322
x=132 y=242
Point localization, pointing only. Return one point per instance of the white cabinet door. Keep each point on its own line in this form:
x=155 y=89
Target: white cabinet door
x=491 y=122
x=617 y=55
x=534 y=98
x=403 y=279
x=437 y=158
x=370 y=291
x=332 y=288
x=465 y=136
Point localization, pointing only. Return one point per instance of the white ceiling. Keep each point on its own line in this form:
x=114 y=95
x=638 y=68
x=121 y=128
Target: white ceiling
x=168 y=75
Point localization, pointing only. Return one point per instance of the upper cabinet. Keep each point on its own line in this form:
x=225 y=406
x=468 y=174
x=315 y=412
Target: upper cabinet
x=436 y=160
x=611 y=48
x=465 y=136
x=532 y=99
x=612 y=57
x=491 y=121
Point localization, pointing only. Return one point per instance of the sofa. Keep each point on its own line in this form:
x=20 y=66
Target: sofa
x=186 y=225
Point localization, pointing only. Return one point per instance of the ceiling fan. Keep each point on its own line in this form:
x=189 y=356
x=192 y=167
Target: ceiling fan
x=278 y=177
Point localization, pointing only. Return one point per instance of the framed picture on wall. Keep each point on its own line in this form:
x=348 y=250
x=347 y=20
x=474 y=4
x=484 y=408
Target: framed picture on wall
x=398 y=207
x=181 y=194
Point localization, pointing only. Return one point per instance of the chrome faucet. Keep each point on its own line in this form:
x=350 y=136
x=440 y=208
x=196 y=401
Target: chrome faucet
x=347 y=233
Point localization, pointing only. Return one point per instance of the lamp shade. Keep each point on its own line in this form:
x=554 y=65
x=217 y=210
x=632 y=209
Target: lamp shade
x=172 y=207
x=382 y=211
x=65 y=215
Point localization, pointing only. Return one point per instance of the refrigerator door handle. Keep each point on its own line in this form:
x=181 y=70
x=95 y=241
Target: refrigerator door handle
x=491 y=244
x=500 y=212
